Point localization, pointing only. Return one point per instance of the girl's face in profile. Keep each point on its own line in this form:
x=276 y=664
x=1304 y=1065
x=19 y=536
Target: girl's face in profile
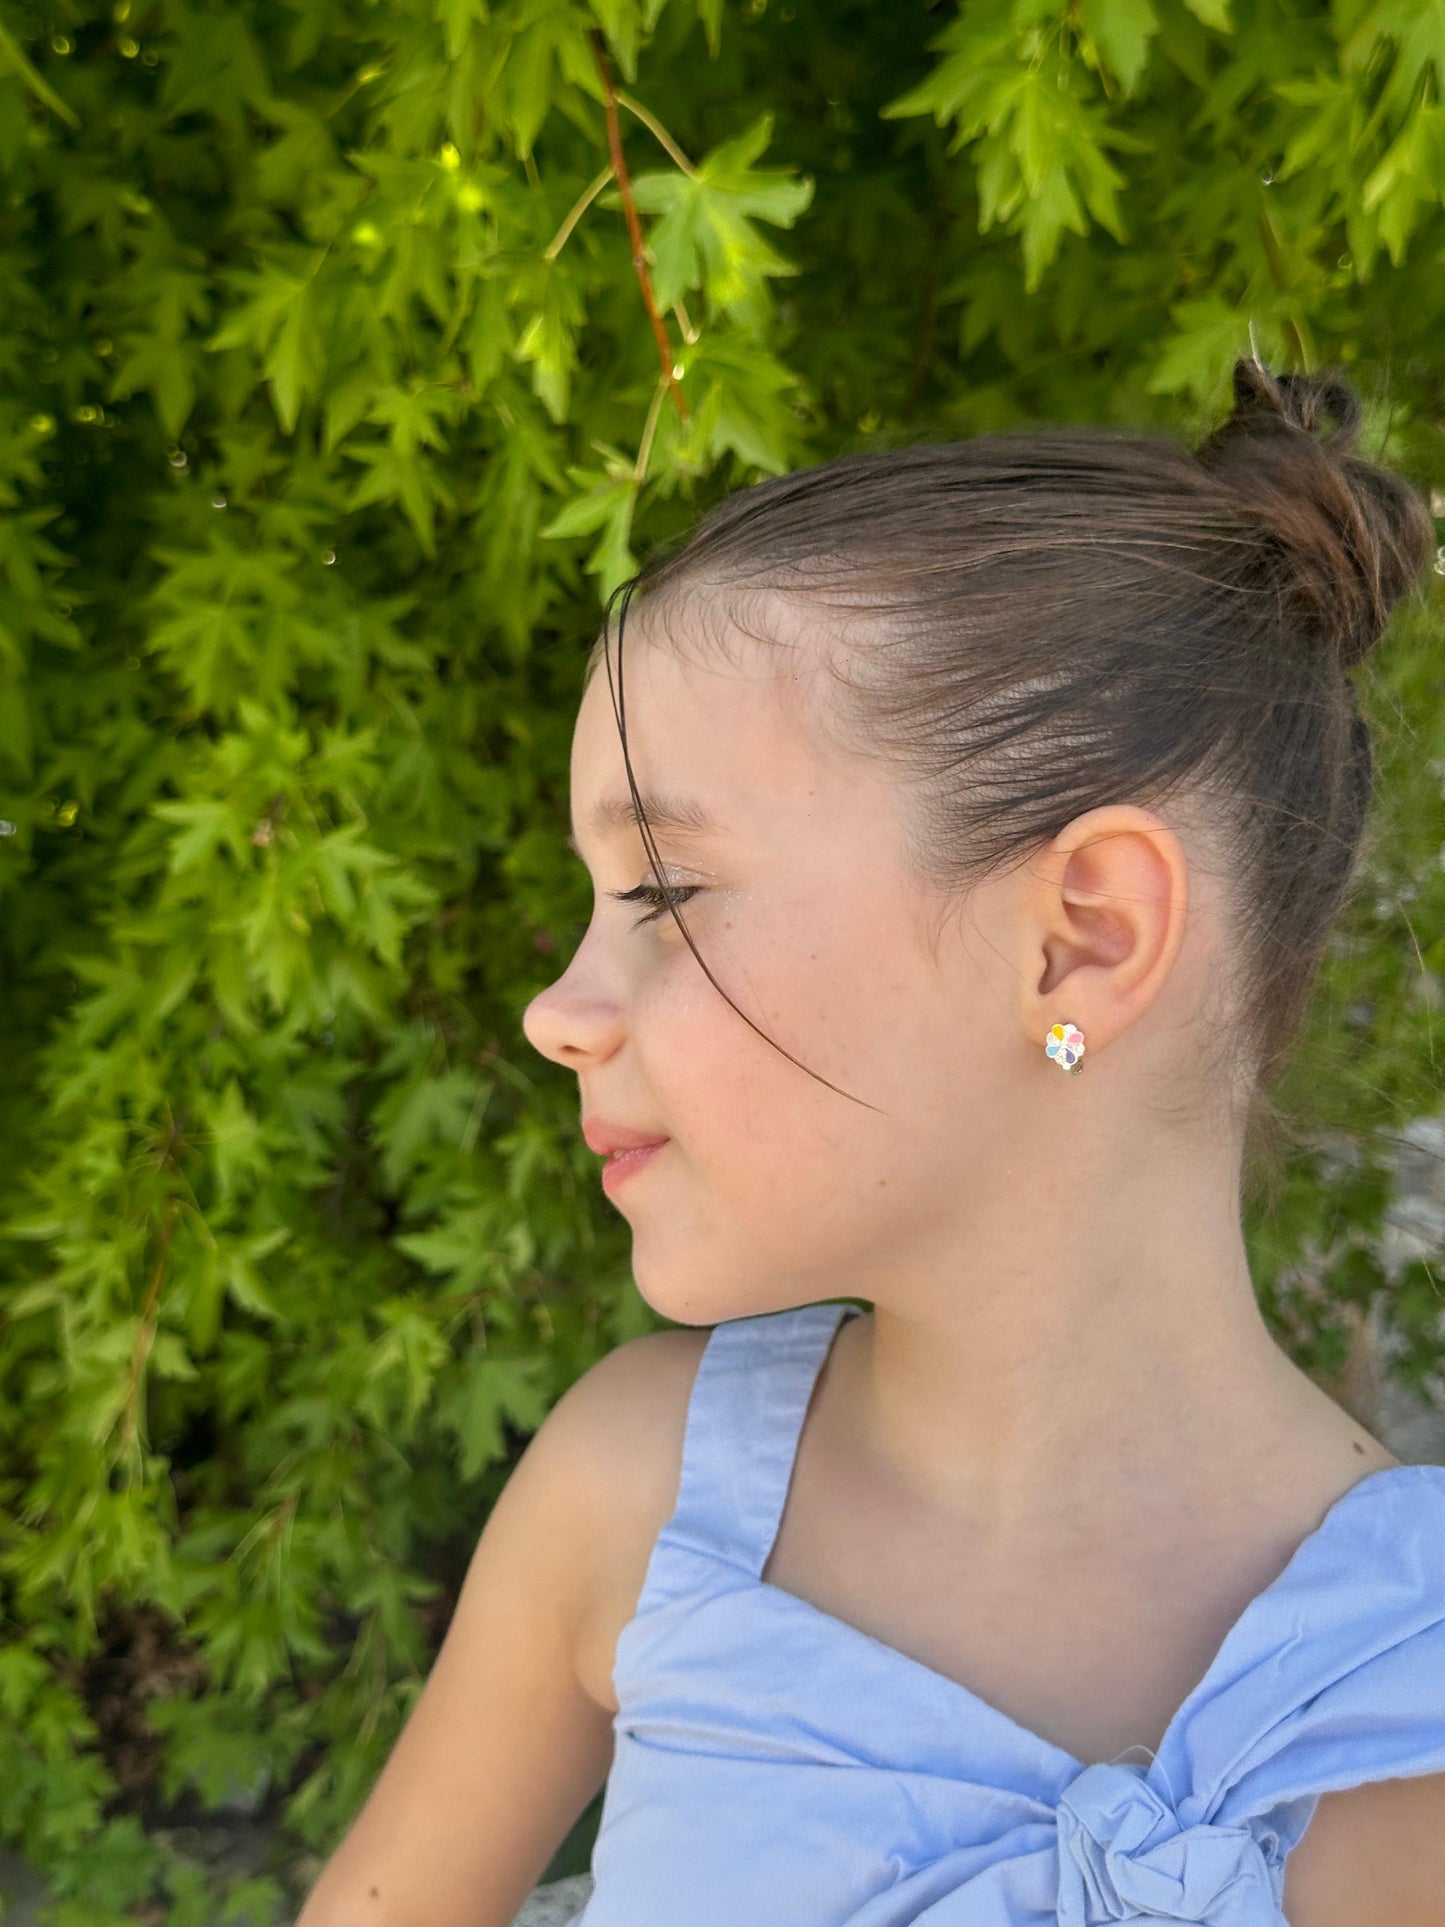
x=774 y=1190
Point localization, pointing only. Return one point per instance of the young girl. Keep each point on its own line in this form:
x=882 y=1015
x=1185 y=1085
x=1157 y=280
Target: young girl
x=1010 y=787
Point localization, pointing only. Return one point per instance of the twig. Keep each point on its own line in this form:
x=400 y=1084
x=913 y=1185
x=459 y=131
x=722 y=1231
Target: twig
x=634 y=226
x=659 y=130
x=584 y=201
x=130 y=1428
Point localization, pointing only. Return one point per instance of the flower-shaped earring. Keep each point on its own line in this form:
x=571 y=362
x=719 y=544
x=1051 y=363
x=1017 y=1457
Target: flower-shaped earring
x=1065 y=1044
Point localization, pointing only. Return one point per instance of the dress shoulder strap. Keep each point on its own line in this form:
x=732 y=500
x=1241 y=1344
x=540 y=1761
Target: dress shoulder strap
x=744 y=1419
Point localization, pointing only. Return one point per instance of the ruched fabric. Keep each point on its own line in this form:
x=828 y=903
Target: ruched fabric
x=1123 y=1855
x=777 y=1767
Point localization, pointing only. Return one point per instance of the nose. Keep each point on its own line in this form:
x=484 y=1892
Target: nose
x=574 y=1021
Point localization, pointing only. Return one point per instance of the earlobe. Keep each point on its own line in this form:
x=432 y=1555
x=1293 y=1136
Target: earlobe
x=1110 y=898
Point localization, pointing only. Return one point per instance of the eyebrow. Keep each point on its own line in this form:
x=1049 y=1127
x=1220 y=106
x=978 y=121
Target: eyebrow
x=678 y=815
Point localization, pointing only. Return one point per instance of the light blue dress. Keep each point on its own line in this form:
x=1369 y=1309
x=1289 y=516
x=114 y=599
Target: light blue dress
x=777 y=1767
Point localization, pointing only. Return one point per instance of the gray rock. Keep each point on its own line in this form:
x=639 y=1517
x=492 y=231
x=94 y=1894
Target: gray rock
x=21 y=1891
x=557 y=1903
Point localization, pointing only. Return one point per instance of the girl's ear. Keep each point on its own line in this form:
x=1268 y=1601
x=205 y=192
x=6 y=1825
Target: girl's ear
x=1104 y=913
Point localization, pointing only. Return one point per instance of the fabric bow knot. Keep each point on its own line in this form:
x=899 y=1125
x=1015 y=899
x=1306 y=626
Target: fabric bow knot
x=1124 y=1856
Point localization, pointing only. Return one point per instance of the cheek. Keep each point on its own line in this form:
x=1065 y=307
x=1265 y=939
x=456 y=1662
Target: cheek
x=777 y=1186
x=704 y=1069
x=753 y=1118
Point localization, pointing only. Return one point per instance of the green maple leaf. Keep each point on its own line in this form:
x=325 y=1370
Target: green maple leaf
x=706 y=237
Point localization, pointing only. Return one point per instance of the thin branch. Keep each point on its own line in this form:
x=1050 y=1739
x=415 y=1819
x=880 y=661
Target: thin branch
x=12 y=56
x=590 y=194
x=634 y=226
x=659 y=130
x=584 y=201
x=131 y=1429
x=639 y=471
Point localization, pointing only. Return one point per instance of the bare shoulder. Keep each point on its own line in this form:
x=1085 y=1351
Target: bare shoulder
x=1372 y=1856
x=624 y=1421
x=507 y=1742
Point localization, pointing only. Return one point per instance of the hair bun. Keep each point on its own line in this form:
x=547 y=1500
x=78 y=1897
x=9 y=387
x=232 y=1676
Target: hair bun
x=1354 y=536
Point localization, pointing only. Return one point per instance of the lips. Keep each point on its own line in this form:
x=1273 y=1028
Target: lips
x=620 y=1167
x=607 y=1138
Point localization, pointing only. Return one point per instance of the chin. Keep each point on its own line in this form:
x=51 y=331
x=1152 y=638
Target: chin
x=684 y=1303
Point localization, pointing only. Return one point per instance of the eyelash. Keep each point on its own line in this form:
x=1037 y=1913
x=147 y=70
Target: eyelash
x=649 y=893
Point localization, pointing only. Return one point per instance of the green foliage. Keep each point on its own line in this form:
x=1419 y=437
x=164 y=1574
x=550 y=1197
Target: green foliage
x=331 y=408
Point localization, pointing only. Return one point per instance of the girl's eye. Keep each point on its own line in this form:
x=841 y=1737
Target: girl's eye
x=649 y=893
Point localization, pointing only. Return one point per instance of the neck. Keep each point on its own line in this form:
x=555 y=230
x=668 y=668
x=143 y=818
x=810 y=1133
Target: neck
x=1104 y=1340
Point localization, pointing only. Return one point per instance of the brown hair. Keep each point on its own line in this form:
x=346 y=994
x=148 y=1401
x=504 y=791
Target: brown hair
x=1053 y=619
